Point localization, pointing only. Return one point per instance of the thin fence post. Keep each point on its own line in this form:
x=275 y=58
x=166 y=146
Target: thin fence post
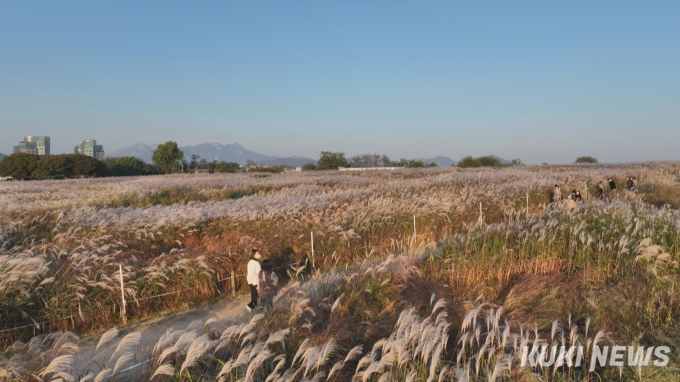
x=233 y=283
x=415 y=237
x=481 y=216
x=122 y=293
x=312 y=236
x=527 y=203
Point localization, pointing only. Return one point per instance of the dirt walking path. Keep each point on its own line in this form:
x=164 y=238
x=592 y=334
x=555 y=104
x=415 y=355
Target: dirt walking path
x=229 y=310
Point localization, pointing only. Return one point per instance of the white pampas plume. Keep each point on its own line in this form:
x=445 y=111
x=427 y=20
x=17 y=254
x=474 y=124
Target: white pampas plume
x=280 y=361
x=165 y=369
x=598 y=338
x=355 y=352
x=337 y=303
x=127 y=344
x=370 y=370
x=198 y=348
x=411 y=376
x=251 y=325
x=58 y=365
x=102 y=375
x=442 y=373
x=166 y=339
x=311 y=356
x=256 y=362
x=325 y=352
x=556 y=327
x=336 y=368
x=303 y=347
x=123 y=360
x=502 y=365
x=441 y=304
x=185 y=340
x=277 y=337
x=365 y=360
x=107 y=337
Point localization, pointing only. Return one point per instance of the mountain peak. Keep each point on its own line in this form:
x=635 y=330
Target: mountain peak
x=440 y=161
x=232 y=152
x=209 y=151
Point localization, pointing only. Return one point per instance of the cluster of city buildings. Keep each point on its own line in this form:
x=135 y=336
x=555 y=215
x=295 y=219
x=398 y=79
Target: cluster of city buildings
x=41 y=146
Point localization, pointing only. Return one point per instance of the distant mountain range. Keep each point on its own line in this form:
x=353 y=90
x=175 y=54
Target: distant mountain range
x=234 y=152
x=214 y=151
x=440 y=161
x=140 y=150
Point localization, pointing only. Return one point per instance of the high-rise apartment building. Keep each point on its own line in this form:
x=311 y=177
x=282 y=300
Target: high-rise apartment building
x=33 y=145
x=90 y=148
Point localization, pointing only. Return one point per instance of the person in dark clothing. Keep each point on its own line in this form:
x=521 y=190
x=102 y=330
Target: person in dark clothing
x=268 y=282
x=578 y=197
x=630 y=183
x=612 y=187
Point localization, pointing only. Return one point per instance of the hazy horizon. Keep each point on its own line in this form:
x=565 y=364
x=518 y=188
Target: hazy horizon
x=536 y=81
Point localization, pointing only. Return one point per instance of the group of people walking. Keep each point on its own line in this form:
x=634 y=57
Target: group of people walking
x=602 y=191
x=262 y=281
x=575 y=195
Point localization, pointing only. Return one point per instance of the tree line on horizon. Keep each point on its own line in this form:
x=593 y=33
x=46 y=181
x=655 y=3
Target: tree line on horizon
x=168 y=158
x=335 y=160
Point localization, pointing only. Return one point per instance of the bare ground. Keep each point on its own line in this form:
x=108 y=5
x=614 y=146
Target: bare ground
x=230 y=310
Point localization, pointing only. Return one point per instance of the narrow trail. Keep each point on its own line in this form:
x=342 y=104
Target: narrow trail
x=230 y=310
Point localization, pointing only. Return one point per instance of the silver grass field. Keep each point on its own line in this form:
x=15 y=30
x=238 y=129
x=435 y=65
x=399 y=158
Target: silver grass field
x=492 y=266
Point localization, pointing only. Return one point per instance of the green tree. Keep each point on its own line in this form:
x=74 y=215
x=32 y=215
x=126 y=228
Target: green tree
x=51 y=165
x=167 y=156
x=489 y=161
x=516 y=162
x=432 y=164
x=194 y=161
x=586 y=159
x=403 y=162
x=309 y=166
x=129 y=166
x=331 y=161
x=271 y=169
x=469 y=161
x=86 y=165
x=18 y=166
x=370 y=160
x=227 y=167
x=415 y=164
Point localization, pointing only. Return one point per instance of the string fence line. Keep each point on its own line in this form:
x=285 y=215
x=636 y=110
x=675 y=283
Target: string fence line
x=40 y=325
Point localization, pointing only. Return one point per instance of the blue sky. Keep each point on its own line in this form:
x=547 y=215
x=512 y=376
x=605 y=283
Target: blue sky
x=542 y=81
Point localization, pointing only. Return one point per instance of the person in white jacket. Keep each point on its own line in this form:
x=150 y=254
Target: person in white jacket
x=253 y=278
